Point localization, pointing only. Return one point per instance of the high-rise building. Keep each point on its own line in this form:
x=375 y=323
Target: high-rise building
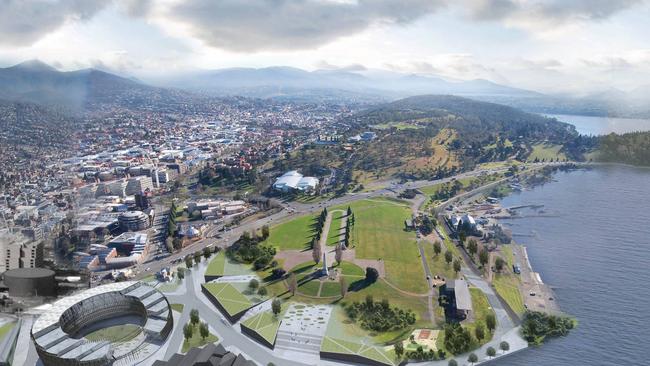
x=18 y=251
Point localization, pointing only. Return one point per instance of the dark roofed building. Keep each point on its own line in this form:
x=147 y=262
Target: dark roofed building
x=210 y=355
x=461 y=299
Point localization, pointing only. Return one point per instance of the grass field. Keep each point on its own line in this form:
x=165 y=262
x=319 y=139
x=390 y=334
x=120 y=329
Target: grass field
x=330 y=289
x=5 y=329
x=309 y=288
x=177 y=307
x=333 y=236
x=481 y=308
x=379 y=234
x=546 y=152
x=351 y=269
x=294 y=234
x=117 y=333
x=232 y=300
x=265 y=324
x=197 y=341
x=507 y=286
x=335 y=345
x=220 y=265
x=437 y=264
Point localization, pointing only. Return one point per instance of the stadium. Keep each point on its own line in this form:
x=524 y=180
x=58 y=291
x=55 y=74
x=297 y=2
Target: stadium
x=116 y=324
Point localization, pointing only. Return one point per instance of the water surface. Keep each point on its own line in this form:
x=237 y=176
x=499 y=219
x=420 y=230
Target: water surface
x=595 y=250
x=589 y=125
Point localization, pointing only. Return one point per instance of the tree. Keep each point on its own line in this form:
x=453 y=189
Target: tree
x=491 y=322
x=437 y=248
x=349 y=211
x=472 y=247
x=278 y=272
x=197 y=257
x=504 y=346
x=188 y=261
x=180 y=273
x=472 y=358
x=399 y=349
x=293 y=283
x=276 y=306
x=499 y=263
x=344 y=286
x=188 y=330
x=316 y=252
x=448 y=257
x=169 y=243
x=265 y=231
x=491 y=352
x=253 y=284
x=177 y=243
x=371 y=275
x=207 y=252
x=338 y=254
x=203 y=330
x=479 y=332
x=262 y=291
x=452 y=362
x=194 y=316
x=457 y=266
x=483 y=257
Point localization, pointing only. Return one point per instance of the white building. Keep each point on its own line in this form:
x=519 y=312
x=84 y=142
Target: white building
x=292 y=180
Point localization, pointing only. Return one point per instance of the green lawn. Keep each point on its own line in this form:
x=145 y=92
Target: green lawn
x=232 y=300
x=265 y=324
x=437 y=264
x=335 y=345
x=309 y=288
x=117 y=333
x=330 y=289
x=379 y=234
x=507 y=286
x=177 y=307
x=546 y=152
x=333 y=236
x=295 y=234
x=481 y=308
x=221 y=265
x=5 y=329
x=351 y=269
x=197 y=341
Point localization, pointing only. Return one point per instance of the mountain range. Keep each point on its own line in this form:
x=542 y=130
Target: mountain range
x=88 y=89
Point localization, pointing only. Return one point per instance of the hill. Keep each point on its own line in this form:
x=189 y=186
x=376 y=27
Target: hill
x=81 y=90
x=474 y=118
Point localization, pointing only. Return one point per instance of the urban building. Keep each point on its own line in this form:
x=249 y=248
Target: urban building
x=19 y=251
x=292 y=180
x=134 y=221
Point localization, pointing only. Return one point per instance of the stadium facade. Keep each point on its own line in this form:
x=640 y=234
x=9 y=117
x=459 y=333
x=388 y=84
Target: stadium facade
x=58 y=333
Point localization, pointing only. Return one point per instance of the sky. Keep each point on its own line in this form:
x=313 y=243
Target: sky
x=575 y=46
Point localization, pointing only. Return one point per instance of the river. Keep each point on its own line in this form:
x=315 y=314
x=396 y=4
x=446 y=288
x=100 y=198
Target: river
x=594 y=249
x=589 y=125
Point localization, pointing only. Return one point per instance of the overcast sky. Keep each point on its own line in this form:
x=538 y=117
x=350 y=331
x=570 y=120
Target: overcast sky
x=546 y=45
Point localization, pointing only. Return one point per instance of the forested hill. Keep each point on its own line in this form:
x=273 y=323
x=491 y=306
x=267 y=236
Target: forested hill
x=470 y=117
x=629 y=148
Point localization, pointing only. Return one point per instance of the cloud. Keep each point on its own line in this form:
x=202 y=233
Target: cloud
x=23 y=22
x=539 y=15
x=260 y=25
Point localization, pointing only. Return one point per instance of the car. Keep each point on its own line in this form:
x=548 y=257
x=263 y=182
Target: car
x=147 y=269
x=532 y=294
